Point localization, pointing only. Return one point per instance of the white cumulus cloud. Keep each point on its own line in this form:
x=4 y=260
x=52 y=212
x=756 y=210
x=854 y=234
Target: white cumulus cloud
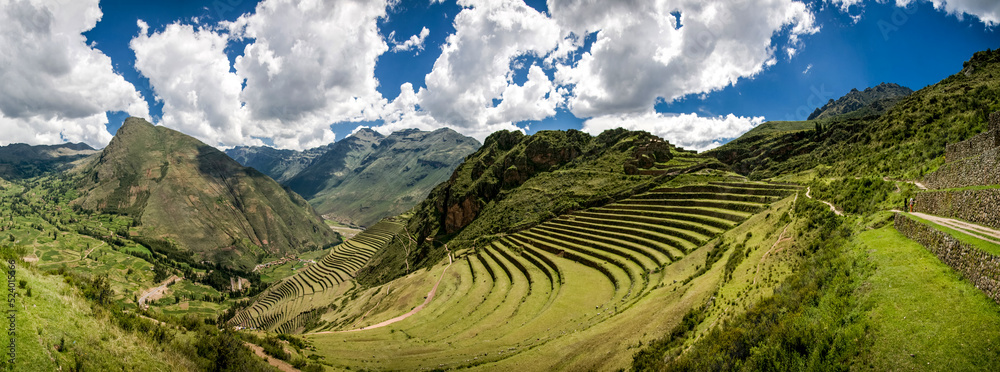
x=199 y=93
x=311 y=62
x=476 y=68
x=689 y=131
x=987 y=11
x=307 y=65
x=415 y=42
x=55 y=87
x=640 y=54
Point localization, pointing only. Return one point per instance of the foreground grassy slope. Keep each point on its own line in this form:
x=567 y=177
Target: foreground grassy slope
x=924 y=315
x=862 y=297
x=58 y=329
x=198 y=199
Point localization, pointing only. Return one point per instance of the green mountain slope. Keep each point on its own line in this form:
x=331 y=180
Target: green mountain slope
x=515 y=181
x=281 y=165
x=20 y=161
x=906 y=141
x=367 y=177
x=882 y=94
x=198 y=199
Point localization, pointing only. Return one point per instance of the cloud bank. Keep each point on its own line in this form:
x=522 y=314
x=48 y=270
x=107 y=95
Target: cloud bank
x=304 y=65
x=56 y=88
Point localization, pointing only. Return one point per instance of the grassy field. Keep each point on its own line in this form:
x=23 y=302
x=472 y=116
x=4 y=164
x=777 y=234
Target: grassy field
x=925 y=317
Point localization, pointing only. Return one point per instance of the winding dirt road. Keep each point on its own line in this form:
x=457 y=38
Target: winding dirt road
x=832 y=208
x=156 y=292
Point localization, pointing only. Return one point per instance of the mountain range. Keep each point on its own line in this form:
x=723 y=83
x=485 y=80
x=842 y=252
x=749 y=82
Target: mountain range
x=19 y=161
x=366 y=176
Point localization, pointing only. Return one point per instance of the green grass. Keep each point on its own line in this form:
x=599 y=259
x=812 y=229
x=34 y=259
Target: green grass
x=55 y=312
x=922 y=307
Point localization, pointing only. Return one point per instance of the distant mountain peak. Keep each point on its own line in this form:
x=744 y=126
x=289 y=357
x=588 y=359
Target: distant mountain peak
x=856 y=100
x=367 y=133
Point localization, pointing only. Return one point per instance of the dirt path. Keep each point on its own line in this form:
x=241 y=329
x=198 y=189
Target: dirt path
x=81 y=258
x=769 y=251
x=156 y=292
x=277 y=363
x=915 y=183
x=895 y=183
x=981 y=232
x=832 y=208
x=430 y=296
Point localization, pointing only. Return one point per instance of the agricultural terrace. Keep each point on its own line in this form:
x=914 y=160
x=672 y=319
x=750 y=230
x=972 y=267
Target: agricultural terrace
x=555 y=293
x=281 y=308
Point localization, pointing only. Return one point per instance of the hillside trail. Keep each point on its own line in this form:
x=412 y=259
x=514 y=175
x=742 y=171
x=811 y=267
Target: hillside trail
x=982 y=232
x=914 y=183
x=275 y=362
x=430 y=296
x=832 y=208
x=780 y=240
x=157 y=291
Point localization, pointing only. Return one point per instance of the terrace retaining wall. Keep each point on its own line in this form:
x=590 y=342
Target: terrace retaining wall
x=980 y=268
x=976 y=206
x=974 y=146
x=974 y=162
x=971 y=171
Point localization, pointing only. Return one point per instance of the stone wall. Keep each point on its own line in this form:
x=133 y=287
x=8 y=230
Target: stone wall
x=977 y=206
x=974 y=146
x=980 y=268
x=975 y=171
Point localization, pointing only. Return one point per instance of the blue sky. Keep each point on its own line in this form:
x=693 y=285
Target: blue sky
x=313 y=73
